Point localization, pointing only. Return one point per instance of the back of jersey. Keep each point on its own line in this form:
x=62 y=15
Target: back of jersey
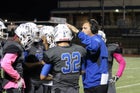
x=35 y=55
x=66 y=63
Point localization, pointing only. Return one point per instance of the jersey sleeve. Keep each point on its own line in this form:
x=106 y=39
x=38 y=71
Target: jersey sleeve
x=92 y=44
x=119 y=58
x=6 y=64
x=45 y=57
x=12 y=49
x=45 y=70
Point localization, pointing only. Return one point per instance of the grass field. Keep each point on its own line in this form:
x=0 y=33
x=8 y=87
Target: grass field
x=130 y=80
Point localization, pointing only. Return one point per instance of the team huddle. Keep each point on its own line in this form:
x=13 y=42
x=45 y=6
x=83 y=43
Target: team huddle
x=43 y=59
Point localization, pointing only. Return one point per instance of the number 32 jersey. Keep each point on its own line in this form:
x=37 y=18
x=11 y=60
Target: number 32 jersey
x=66 y=63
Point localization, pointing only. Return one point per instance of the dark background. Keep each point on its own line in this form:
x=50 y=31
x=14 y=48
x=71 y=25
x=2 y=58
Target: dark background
x=22 y=10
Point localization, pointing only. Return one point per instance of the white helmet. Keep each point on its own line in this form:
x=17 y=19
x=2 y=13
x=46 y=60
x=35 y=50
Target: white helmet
x=26 y=33
x=35 y=30
x=38 y=33
x=3 y=35
x=62 y=33
x=48 y=31
x=103 y=35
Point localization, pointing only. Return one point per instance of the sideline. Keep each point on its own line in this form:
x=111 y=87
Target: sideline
x=132 y=85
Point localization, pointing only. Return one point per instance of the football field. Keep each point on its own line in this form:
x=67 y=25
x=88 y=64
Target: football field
x=130 y=80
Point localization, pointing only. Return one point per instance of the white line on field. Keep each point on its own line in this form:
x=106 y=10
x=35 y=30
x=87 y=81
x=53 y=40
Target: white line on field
x=132 y=85
x=132 y=68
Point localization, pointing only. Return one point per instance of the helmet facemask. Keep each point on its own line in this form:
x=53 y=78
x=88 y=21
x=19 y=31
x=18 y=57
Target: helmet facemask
x=48 y=32
x=3 y=31
x=37 y=36
x=26 y=41
x=26 y=34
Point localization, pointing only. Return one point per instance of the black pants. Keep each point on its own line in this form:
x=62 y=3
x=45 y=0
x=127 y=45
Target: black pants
x=0 y=85
x=97 y=89
x=36 y=86
x=46 y=89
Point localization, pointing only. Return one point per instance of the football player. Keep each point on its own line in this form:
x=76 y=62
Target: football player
x=114 y=52
x=13 y=58
x=64 y=61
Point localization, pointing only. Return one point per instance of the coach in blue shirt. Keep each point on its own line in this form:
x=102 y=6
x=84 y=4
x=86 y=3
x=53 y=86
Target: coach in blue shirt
x=95 y=76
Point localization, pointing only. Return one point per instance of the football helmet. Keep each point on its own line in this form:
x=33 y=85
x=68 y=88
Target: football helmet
x=39 y=33
x=103 y=35
x=35 y=29
x=62 y=33
x=48 y=31
x=3 y=33
x=26 y=33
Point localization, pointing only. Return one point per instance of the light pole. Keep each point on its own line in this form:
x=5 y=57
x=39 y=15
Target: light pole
x=124 y=10
x=102 y=13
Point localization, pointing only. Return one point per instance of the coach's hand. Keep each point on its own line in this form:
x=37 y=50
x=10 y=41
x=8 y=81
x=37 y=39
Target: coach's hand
x=72 y=28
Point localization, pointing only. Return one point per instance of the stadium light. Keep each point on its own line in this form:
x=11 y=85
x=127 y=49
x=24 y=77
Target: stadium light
x=5 y=20
x=117 y=10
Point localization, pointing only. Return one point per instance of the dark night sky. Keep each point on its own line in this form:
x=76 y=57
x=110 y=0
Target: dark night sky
x=27 y=9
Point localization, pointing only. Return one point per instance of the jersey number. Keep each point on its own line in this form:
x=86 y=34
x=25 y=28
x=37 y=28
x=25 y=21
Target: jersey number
x=39 y=56
x=72 y=62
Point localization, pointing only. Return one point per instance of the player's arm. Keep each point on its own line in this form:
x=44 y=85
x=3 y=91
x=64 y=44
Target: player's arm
x=11 y=54
x=122 y=63
x=44 y=75
x=121 y=66
x=6 y=64
x=29 y=64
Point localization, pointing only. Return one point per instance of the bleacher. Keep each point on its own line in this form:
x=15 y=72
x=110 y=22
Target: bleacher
x=129 y=38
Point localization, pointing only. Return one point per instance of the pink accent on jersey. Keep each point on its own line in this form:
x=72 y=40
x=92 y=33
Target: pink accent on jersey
x=6 y=64
x=122 y=63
